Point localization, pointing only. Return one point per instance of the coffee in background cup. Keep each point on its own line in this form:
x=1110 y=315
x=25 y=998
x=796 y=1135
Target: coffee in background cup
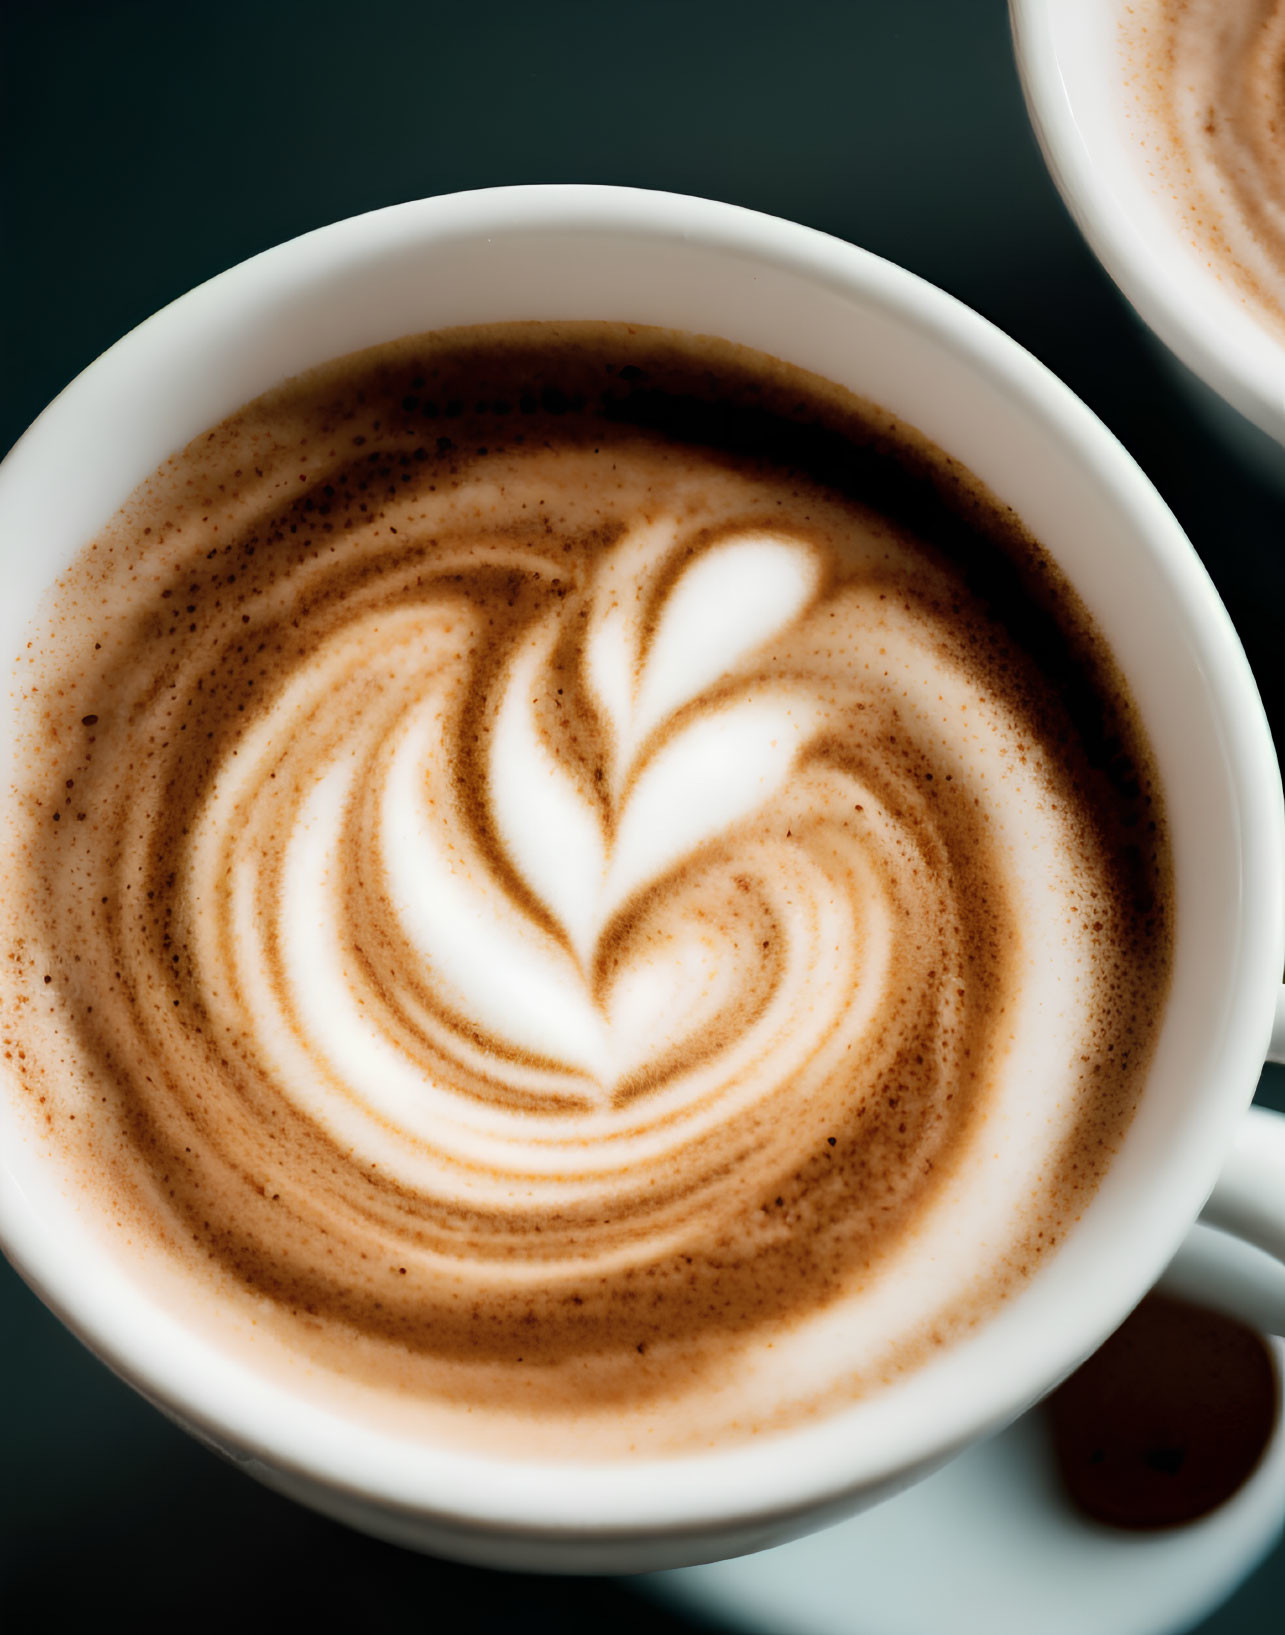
x=1155 y=118
x=1208 y=83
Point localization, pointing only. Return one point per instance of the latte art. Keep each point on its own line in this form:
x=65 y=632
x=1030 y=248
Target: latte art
x=543 y=883
x=551 y=908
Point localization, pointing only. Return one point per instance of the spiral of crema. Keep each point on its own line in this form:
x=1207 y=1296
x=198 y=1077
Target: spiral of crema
x=540 y=898
x=1212 y=76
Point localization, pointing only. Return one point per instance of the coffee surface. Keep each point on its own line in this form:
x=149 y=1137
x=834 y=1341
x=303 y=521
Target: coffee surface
x=1209 y=82
x=574 y=888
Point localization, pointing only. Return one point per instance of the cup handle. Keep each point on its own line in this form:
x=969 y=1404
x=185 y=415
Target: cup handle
x=1249 y=1202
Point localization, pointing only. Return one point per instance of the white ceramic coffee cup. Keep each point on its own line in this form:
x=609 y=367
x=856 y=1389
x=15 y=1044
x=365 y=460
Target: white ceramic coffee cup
x=585 y=252
x=1091 y=126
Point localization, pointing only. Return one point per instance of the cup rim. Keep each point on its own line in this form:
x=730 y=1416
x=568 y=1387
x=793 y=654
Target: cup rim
x=742 y=1485
x=1209 y=331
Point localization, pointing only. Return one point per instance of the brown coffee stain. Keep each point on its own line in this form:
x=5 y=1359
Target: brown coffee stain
x=396 y=526
x=1168 y=1419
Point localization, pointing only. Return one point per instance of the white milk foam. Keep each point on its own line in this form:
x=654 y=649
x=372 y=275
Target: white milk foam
x=623 y=979
x=522 y=982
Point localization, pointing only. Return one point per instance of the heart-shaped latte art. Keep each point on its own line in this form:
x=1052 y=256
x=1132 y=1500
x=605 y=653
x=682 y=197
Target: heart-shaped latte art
x=548 y=871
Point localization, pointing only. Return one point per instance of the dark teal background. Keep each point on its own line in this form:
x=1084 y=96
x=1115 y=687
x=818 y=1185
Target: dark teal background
x=146 y=146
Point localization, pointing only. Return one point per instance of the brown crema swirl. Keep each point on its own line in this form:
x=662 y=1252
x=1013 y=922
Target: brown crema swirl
x=522 y=886
x=1212 y=79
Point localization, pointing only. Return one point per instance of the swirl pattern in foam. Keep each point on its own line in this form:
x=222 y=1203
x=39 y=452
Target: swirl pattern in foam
x=1211 y=81
x=566 y=902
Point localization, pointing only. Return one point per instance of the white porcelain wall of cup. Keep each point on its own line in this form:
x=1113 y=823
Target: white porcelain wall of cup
x=587 y=252
x=1084 y=94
